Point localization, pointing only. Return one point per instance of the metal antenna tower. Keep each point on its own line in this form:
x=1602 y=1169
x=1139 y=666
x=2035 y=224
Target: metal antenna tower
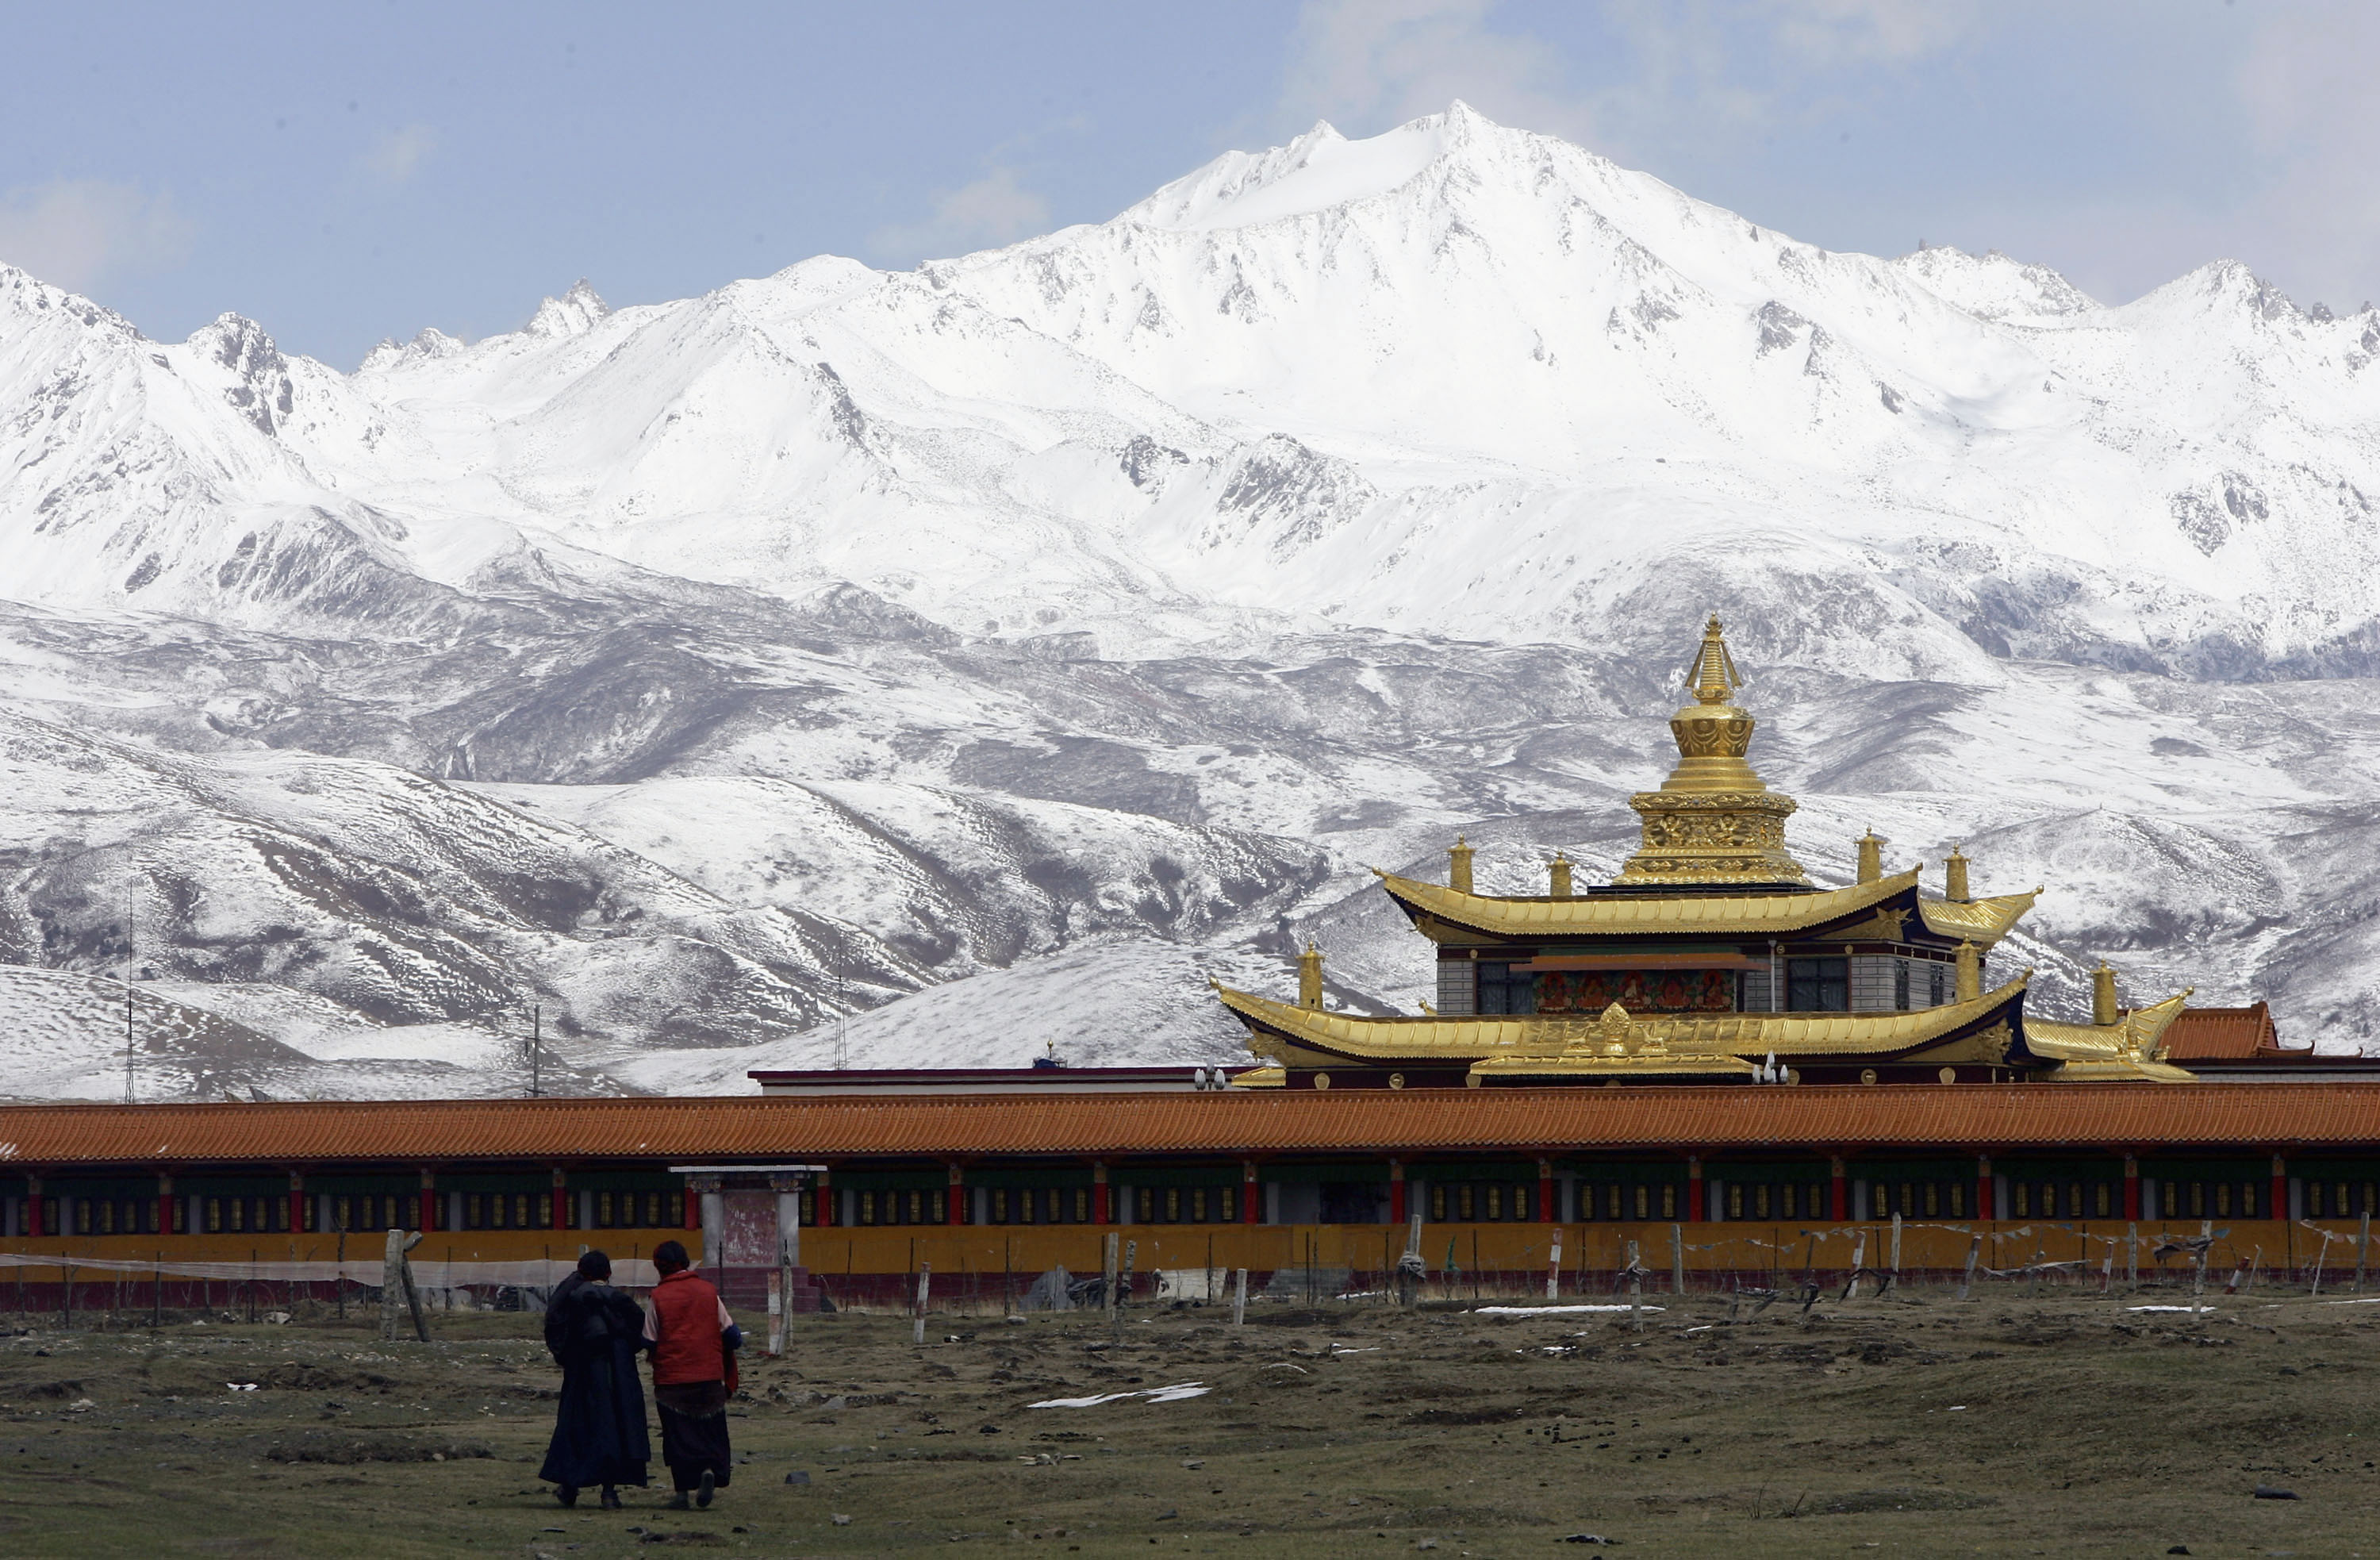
x=841 y=1050
x=536 y=1037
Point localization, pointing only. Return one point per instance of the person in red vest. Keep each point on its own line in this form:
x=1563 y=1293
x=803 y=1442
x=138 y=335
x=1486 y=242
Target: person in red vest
x=694 y=1343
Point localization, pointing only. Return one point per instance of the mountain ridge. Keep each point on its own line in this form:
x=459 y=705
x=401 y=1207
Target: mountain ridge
x=1088 y=613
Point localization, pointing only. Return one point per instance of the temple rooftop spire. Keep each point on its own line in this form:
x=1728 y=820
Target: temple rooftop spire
x=1714 y=821
x=1715 y=678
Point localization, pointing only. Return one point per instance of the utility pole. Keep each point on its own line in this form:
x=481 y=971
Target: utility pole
x=842 y=1052
x=128 y=1052
x=536 y=1016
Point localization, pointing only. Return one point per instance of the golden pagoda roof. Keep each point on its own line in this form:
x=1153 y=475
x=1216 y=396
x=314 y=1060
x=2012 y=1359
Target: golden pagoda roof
x=1719 y=915
x=1980 y=921
x=2129 y=1049
x=1523 y=1043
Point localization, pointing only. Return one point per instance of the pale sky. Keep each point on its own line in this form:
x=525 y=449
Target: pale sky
x=346 y=173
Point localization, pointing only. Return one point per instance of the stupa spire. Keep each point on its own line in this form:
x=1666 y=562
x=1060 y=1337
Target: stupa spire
x=1713 y=821
x=1713 y=678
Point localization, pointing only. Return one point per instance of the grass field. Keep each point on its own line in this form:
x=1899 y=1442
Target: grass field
x=1917 y=1424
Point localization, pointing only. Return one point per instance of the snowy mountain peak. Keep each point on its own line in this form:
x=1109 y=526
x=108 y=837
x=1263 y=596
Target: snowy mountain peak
x=1318 y=170
x=574 y=313
x=260 y=387
x=1993 y=286
x=429 y=343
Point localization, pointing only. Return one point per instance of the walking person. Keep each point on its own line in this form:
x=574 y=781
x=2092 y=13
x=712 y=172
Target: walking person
x=595 y=1332
x=694 y=1343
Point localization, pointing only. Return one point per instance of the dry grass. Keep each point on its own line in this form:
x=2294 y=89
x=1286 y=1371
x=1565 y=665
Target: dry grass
x=1922 y=1425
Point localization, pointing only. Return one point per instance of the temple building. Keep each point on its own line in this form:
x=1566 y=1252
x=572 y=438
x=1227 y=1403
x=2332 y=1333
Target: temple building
x=1710 y=959
x=1551 y=1116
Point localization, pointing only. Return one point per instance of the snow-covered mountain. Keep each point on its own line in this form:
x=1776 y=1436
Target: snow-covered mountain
x=989 y=649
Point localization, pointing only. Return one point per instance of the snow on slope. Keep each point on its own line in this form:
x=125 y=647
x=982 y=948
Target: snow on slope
x=1023 y=636
x=1457 y=379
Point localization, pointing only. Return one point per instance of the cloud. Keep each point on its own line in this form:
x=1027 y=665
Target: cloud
x=1371 y=63
x=1367 y=64
x=398 y=154
x=995 y=209
x=1847 y=31
x=2315 y=123
x=77 y=233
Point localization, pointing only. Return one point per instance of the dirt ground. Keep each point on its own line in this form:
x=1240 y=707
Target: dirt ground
x=1917 y=1424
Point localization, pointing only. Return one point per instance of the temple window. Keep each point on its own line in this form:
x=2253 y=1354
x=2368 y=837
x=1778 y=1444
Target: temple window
x=1668 y=1200
x=1900 y=984
x=1734 y=1200
x=1760 y=1202
x=2102 y=1200
x=1503 y=988
x=2222 y=1200
x=1147 y=1196
x=1817 y=985
x=999 y=1205
x=1933 y=1199
x=1611 y=1203
x=1957 y=1200
x=1495 y=1202
x=2024 y=1200
x=1936 y=985
x=1644 y=1202
x=2246 y=1200
x=1466 y=1195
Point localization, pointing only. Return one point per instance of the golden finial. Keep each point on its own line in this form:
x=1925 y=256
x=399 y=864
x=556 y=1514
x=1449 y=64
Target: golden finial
x=1458 y=865
x=1871 y=857
x=1309 y=978
x=1954 y=876
x=1713 y=678
x=2103 y=995
x=1560 y=875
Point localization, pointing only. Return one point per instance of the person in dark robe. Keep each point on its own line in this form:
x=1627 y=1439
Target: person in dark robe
x=595 y=1332
x=694 y=1343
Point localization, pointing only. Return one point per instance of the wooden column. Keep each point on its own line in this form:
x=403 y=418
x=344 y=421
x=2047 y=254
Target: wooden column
x=1251 y=1194
x=1547 y=1212
x=1839 y=1192
x=561 y=1219
x=428 y=1199
x=34 y=1206
x=2280 y=1204
x=1397 y=1192
x=164 y=1204
x=2132 y=1187
x=1102 y=1211
x=825 y=1218
x=956 y=1201
x=297 y=1202
x=1695 y=1189
x=1987 y=1197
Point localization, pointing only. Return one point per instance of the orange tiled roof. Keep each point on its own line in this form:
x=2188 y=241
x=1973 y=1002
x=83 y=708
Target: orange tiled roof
x=433 y=1133
x=2205 y=1034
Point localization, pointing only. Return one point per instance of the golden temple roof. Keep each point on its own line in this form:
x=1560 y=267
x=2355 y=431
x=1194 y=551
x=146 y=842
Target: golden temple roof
x=1608 y=915
x=1522 y=1043
x=1980 y=921
x=2129 y=1049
